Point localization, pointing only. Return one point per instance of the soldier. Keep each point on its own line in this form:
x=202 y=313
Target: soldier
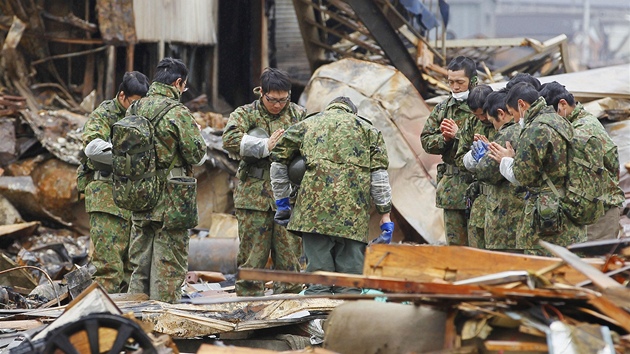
x=474 y=129
x=346 y=170
x=542 y=153
x=440 y=137
x=110 y=226
x=563 y=102
x=504 y=201
x=159 y=238
x=272 y=113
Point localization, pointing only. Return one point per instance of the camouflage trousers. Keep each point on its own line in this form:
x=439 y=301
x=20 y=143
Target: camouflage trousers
x=259 y=235
x=110 y=236
x=607 y=227
x=456 y=227
x=333 y=254
x=159 y=259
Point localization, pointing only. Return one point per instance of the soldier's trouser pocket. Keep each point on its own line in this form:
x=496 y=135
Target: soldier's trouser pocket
x=181 y=201
x=548 y=214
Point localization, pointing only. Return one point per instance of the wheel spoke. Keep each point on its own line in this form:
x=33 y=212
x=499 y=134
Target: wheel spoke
x=64 y=344
x=91 y=328
x=124 y=331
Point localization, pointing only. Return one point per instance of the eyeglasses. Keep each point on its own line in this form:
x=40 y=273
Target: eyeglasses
x=278 y=100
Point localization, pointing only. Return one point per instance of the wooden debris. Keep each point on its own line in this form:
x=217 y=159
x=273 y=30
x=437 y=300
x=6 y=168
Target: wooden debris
x=497 y=345
x=397 y=285
x=426 y=263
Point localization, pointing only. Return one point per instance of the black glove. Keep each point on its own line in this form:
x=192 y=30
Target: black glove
x=283 y=213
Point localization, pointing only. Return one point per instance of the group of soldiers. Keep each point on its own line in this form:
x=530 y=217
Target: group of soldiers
x=146 y=251
x=504 y=153
x=327 y=220
x=325 y=217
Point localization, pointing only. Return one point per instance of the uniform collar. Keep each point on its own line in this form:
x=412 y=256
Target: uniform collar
x=576 y=114
x=535 y=109
x=463 y=105
x=158 y=88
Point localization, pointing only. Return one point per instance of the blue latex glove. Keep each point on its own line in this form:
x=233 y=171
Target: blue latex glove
x=283 y=213
x=479 y=149
x=387 y=229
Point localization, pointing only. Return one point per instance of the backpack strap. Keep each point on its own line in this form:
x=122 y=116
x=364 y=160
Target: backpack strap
x=167 y=107
x=552 y=186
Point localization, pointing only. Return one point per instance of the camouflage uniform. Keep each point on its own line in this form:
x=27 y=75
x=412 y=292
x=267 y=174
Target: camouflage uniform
x=607 y=227
x=158 y=253
x=333 y=205
x=110 y=226
x=475 y=198
x=450 y=194
x=504 y=201
x=254 y=202
x=542 y=148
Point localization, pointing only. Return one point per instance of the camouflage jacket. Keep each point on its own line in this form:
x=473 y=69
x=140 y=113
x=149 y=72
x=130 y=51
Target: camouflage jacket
x=504 y=201
x=252 y=192
x=473 y=126
x=98 y=193
x=542 y=148
x=341 y=151
x=452 y=183
x=178 y=139
x=581 y=119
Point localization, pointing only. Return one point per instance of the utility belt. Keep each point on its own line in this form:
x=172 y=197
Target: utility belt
x=177 y=172
x=103 y=176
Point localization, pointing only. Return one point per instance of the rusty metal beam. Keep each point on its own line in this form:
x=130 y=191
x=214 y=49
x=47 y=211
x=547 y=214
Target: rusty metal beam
x=374 y=19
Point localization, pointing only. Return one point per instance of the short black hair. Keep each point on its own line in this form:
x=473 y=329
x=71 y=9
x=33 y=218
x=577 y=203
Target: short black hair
x=477 y=96
x=494 y=102
x=169 y=70
x=347 y=101
x=134 y=83
x=521 y=91
x=554 y=91
x=273 y=79
x=523 y=77
x=463 y=63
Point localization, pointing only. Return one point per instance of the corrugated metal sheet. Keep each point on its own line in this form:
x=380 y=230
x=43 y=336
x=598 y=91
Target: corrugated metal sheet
x=185 y=21
x=290 y=54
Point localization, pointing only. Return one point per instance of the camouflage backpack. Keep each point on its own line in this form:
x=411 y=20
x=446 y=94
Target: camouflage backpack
x=585 y=183
x=136 y=182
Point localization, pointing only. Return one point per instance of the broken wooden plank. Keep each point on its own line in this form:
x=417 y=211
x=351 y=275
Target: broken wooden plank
x=607 y=307
x=19 y=230
x=213 y=349
x=598 y=278
x=18 y=278
x=396 y=285
x=426 y=263
x=20 y=325
x=500 y=345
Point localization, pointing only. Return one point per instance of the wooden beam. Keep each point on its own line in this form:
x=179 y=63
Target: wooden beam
x=425 y=263
x=610 y=309
x=110 y=75
x=500 y=345
x=397 y=285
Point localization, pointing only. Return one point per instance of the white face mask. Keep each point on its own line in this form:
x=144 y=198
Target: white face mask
x=521 y=122
x=460 y=96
